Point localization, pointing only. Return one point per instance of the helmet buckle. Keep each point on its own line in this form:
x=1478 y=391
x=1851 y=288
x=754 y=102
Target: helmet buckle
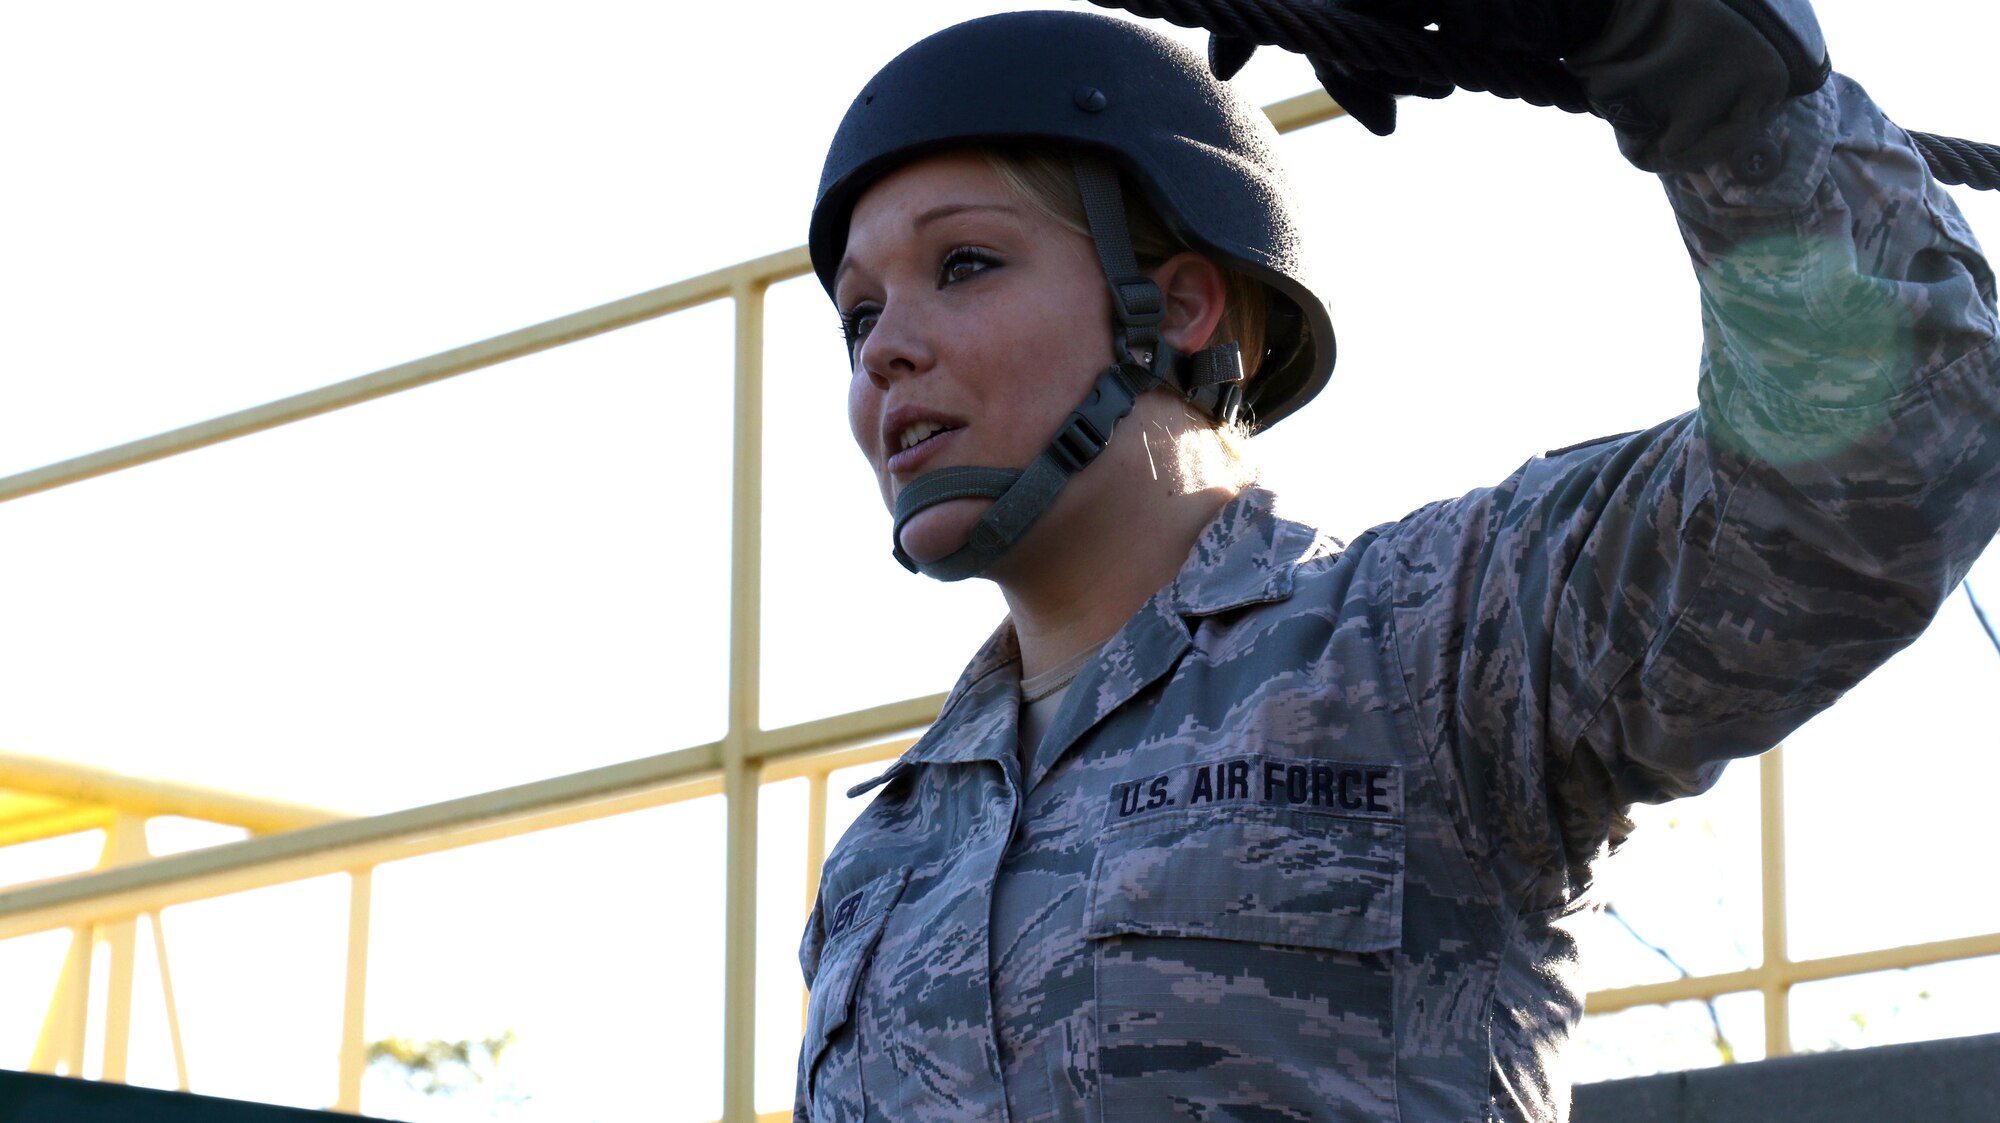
x=1229 y=404
x=1140 y=304
x=1077 y=443
x=1138 y=308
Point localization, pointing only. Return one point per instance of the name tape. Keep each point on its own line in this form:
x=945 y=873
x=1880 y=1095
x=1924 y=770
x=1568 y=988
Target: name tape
x=1328 y=787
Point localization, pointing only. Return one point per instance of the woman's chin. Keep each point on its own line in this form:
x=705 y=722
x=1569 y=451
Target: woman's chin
x=936 y=532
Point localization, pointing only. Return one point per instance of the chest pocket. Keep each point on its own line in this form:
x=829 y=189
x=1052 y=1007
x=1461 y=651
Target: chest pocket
x=1244 y=959
x=830 y=1074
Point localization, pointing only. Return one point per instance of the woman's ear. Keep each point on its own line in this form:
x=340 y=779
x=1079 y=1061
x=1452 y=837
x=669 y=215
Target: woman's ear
x=1194 y=291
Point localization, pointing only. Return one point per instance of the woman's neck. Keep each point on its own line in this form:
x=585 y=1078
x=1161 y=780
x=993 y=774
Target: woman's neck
x=1119 y=533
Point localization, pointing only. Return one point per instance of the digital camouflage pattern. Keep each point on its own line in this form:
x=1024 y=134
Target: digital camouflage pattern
x=1305 y=841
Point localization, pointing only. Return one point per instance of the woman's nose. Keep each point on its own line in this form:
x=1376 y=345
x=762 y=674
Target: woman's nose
x=895 y=348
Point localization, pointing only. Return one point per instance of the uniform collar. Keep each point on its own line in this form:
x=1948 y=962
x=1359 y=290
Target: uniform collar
x=981 y=716
x=1247 y=555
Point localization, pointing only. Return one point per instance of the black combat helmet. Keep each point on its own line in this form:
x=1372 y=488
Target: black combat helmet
x=1134 y=106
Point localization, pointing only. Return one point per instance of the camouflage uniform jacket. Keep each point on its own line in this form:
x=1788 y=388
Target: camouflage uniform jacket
x=1302 y=842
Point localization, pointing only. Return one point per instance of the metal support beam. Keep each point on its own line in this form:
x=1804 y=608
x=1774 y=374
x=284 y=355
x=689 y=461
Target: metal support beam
x=353 y=1039
x=1802 y=971
x=863 y=729
x=173 y=1009
x=816 y=786
x=124 y=844
x=739 y=956
x=829 y=760
x=1301 y=110
x=59 y=1049
x=54 y=823
x=335 y=847
x=1777 y=986
x=103 y=788
x=816 y=797
x=740 y=776
x=121 y=939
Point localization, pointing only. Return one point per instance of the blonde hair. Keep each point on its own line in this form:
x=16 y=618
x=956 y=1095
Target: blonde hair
x=1045 y=179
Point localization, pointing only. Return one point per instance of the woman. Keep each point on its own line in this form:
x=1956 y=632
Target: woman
x=1231 y=821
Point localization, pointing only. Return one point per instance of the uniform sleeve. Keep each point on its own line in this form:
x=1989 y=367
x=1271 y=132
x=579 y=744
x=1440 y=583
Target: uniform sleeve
x=1614 y=623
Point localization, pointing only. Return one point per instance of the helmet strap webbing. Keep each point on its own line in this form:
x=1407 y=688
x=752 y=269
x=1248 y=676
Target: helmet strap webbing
x=1020 y=496
x=1136 y=302
x=1211 y=378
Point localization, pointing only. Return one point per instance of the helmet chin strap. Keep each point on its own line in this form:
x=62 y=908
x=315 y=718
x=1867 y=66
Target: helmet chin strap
x=1212 y=379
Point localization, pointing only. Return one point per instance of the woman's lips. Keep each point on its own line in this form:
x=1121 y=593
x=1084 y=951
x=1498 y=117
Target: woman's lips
x=912 y=458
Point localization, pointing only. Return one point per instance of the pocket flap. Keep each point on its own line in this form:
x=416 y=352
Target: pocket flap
x=853 y=925
x=1271 y=877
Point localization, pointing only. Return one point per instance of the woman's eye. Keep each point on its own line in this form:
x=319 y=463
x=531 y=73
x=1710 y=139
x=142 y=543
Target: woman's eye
x=855 y=325
x=960 y=264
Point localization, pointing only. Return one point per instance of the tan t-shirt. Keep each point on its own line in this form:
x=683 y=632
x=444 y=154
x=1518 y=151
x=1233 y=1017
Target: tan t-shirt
x=1042 y=696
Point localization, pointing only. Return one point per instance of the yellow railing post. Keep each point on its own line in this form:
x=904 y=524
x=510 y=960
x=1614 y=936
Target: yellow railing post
x=60 y=1046
x=816 y=785
x=739 y=991
x=1776 y=970
x=740 y=771
x=353 y=1038
x=167 y=996
x=124 y=844
x=816 y=797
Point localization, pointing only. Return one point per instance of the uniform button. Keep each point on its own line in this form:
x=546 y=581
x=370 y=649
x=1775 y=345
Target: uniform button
x=1090 y=99
x=1758 y=162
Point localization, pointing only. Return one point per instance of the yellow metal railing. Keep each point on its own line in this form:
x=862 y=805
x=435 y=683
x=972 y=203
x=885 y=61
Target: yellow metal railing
x=1775 y=976
x=61 y=797
x=106 y=903
x=48 y=798
x=103 y=906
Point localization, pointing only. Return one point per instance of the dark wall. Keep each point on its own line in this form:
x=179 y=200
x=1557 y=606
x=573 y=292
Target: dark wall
x=1953 y=1081
x=30 y=1098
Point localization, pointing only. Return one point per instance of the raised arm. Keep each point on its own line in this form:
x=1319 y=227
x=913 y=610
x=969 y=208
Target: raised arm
x=1638 y=611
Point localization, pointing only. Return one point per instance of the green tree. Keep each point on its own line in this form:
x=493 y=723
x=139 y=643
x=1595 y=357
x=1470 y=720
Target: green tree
x=441 y=1067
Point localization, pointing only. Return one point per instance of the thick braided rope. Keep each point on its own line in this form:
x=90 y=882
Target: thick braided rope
x=1345 y=37
x=1960 y=161
x=1310 y=28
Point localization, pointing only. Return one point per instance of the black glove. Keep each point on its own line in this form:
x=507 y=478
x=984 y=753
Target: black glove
x=1368 y=96
x=1685 y=82
x=1688 y=82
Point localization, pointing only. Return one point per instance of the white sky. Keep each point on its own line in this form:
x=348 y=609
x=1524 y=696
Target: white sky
x=522 y=572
